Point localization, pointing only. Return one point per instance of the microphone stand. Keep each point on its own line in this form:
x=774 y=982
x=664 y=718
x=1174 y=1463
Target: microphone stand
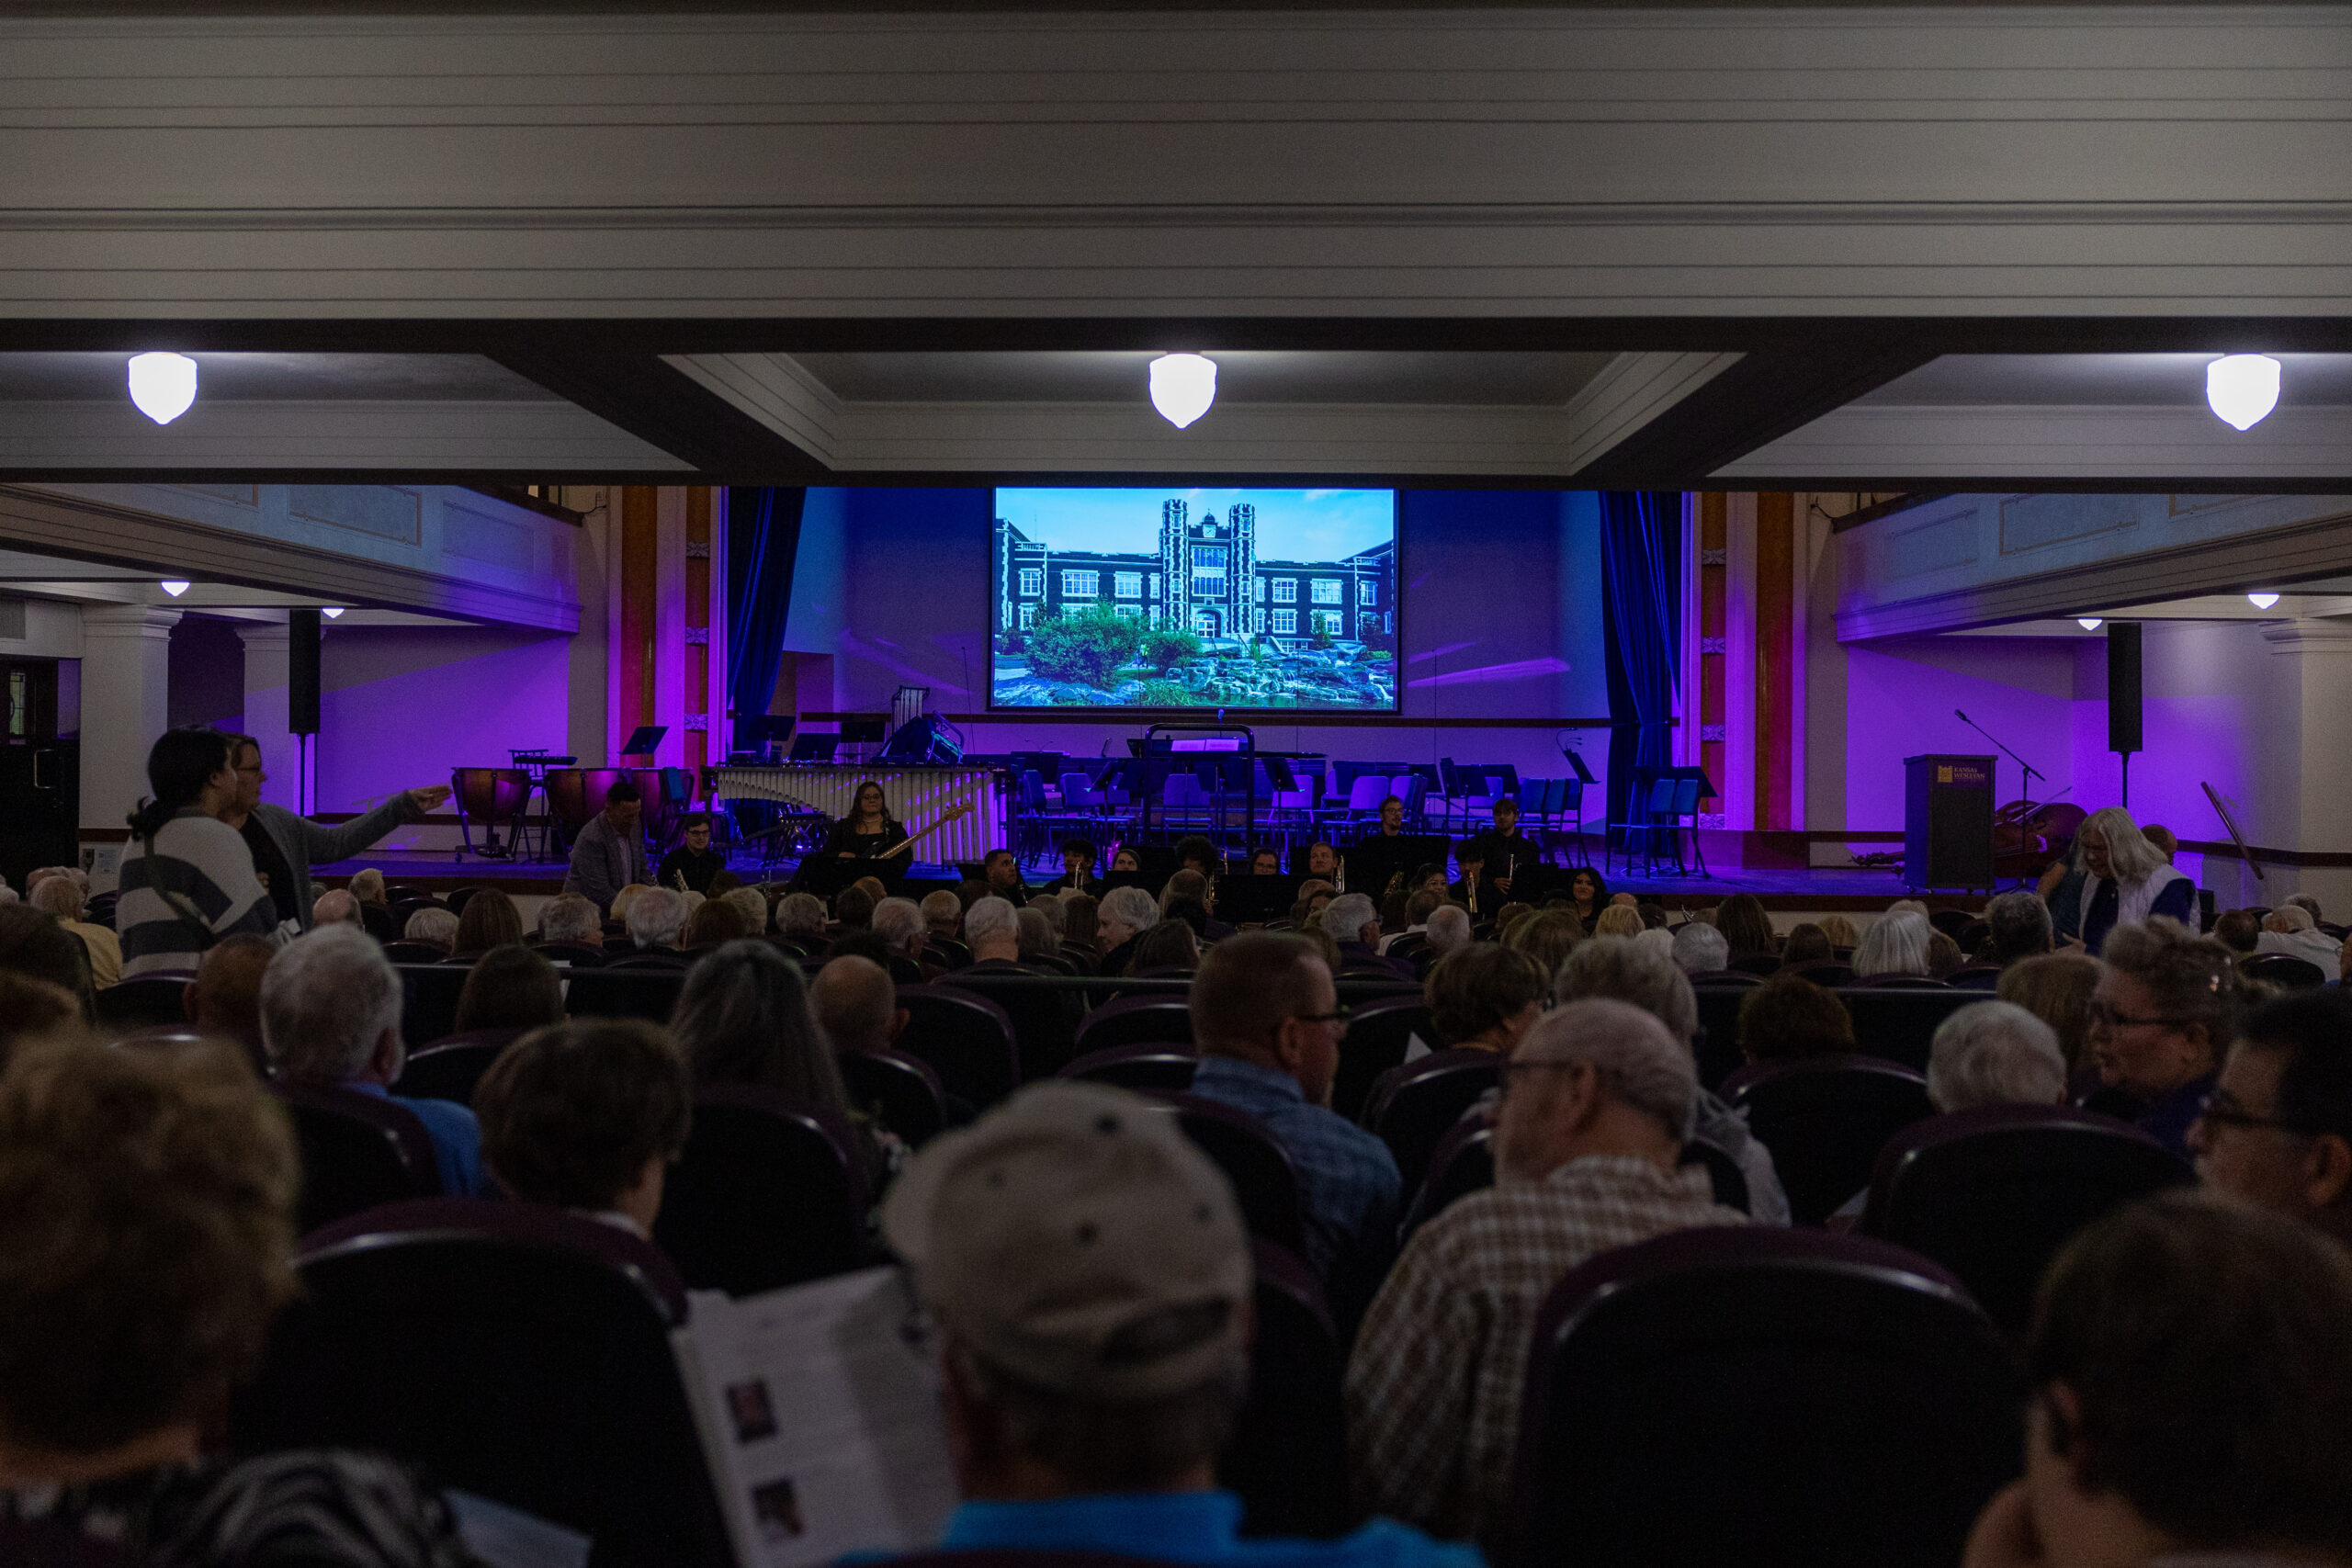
x=2026 y=785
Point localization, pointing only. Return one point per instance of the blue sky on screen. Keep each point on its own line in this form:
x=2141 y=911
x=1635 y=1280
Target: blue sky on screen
x=1292 y=524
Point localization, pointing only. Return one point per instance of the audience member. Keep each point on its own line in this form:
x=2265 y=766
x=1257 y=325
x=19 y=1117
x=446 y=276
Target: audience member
x=2165 y=1005
x=1126 y=913
x=1036 y=935
x=713 y=923
x=570 y=920
x=2288 y=929
x=434 y=927
x=2278 y=1128
x=1267 y=1020
x=34 y=1010
x=331 y=1015
x=187 y=878
x=224 y=1000
x=62 y=898
x=1509 y=916
x=1625 y=970
x=1789 y=1016
x=1619 y=919
x=509 y=989
x=1417 y=910
x=1352 y=922
x=1484 y=997
x=1081 y=922
x=1897 y=944
x=488 y=919
x=34 y=943
x=367 y=886
x=609 y=854
x=941 y=912
x=1587 y=895
x=1547 y=937
x=853 y=908
x=285 y=845
x=1746 y=926
x=146 y=1243
x=1944 y=956
x=1994 y=1053
x=587 y=1116
x=2056 y=989
x=335 y=907
x=2017 y=926
x=2240 y=930
x=1654 y=915
x=2191 y=1363
x=2310 y=905
x=1091 y=1279
x=1588 y=1149
x=899 y=923
x=993 y=930
x=616 y=917
x=1700 y=949
x=1805 y=944
x=800 y=921
x=1449 y=929
x=1168 y=947
x=970 y=891
x=656 y=918
x=856 y=1004
x=2126 y=879
x=1840 y=933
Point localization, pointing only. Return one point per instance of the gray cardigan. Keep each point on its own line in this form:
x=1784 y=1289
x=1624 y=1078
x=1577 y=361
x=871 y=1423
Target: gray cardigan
x=305 y=843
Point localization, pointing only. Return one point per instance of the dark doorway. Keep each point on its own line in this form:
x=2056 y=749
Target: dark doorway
x=40 y=779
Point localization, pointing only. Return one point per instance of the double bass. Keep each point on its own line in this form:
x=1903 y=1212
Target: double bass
x=2028 y=835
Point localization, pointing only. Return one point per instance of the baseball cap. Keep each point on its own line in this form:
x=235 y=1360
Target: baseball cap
x=1074 y=1238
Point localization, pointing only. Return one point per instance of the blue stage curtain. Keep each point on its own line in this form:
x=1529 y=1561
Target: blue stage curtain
x=1641 y=574
x=762 y=540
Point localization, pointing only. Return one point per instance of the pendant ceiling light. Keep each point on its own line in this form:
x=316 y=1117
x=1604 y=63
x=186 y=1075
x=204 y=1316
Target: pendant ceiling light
x=2262 y=601
x=1183 y=387
x=2241 y=388
x=331 y=611
x=163 y=386
x=2090 y=623
x=173 y=586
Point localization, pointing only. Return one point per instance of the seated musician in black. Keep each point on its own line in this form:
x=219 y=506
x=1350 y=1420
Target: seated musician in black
x=1265 y=863
x=690 y=867
x=1001 y=872
x=1474 y=891
x=869 y=832
x=1504 y=847
x=1195 y=852
x=1078 y=869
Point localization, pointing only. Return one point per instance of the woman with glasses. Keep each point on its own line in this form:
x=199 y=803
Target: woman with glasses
x=2167 y=1002
x=2126 y=879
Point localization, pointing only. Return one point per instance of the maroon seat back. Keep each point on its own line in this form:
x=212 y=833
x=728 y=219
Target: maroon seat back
x=453 y=1065
x=1415 y=1105
x=1287 y=1457
x=898 y=1090
x=359 y=1151
x=1265 y=1182
x=770 y=1191
x=1377 y=1038
x=1144 y=1066
x=1156 y=1018
x=964 y=1038
x=1824 y=1119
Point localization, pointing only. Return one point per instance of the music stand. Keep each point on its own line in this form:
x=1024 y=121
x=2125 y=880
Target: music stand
x=1583 y=781
x=807 y=747
x=828 y=875
x=1151 y=881
x=644 y=740
x=1254 y=901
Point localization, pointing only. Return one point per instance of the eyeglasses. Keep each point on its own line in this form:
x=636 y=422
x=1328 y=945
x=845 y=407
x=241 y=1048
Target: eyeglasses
x=2100 y=1013
x=1337 y=1015
x=2226 y=1110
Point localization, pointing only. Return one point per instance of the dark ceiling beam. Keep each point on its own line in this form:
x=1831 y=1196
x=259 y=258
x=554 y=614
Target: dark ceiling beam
x=1766 y=394
x=664 y=407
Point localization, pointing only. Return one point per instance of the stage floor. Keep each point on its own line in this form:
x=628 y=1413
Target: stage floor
x=1844 y=889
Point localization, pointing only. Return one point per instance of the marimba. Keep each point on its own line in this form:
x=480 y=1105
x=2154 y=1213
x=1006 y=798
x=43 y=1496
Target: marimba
x=916 y=796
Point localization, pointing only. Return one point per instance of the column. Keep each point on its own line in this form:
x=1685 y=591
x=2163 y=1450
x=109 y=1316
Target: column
x=266 y=686
x=2311 y=710
x=126 y=691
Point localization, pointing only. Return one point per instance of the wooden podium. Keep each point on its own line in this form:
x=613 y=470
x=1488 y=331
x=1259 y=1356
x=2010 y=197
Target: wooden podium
x=1947 y=822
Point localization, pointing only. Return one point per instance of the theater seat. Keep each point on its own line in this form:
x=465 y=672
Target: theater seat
x=1155 y=1018
x=964 y=1038
x=769 y=1192
x=2283 y=969
x=1463 y=1163
x=1414 y=1106
x=898 y=1090
x=429 y=993
x=514 y=1351
x=148 y=1001
x=1742 y=1394
x=1377 y=1038
x=357 y=1151
x=1992 y=1193
x=1287 y=1458
x=1143 y=1067
x=451 y=1066
x=1824 y=1119
x=1899 y=1022
x=1265 y=1183
x=636 y=992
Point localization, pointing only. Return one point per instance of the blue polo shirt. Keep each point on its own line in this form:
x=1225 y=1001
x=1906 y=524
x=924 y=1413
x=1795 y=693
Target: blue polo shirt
x=1188 y=1527
x=457 y=1138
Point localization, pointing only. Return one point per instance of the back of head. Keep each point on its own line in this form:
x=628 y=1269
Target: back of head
x=855 y=1003
x=2208 y=1349
x=1702 y=949
x=1449 y=929
x=2312 y=1033
x=1943 y=954
x=326 y=1001
x=2309 y=905
x=2192 y=979
x=34 y=945
x=225 y=998
x=1247 y=985
x=942 y=910
x=179 y=765
x=1167 y=946
x=488 y=919
x=1788 y=1016
x=1897 y=944
x=1347 y=915
x=1806 y=943
x=146 y=1240
x=626 y=897
x=1547 y=937
x=2240 y=930
x=750 y=903
x=1839 y=931
x=1641 y=1063
x=743 y=1017
x=2287 y=920
x=2127 y=848
x=714 y=921
x=1184 y=885
x=991 y=922
x=335 y=907
x=2056 y=989
x=434 y=925
x=1994 y=1053
x=1036 y=932
x=901 y=923
x=801 y=917
x=1128 y=911
x=569 y=917
x=572 y=1114
x=1092 y=1275
x=1619 y=919
x=510 y=987
x=33 y=1010
x=367 y=886
x=1479 y=988
x=1745 y=925
x=56 y=896
x=1625 y=970
x=657 y=918
x=1422 y=905
x=1081 y=919
x=2020 y=927
x=852 y=905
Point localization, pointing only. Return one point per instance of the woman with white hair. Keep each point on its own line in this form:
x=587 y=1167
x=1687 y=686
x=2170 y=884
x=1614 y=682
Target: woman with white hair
x=2126 y=878
x=1895 y=947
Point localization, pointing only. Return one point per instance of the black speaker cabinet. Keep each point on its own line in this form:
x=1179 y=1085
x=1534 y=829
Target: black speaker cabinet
x=302 y=671
x=1947 y=822
x=2123 y=686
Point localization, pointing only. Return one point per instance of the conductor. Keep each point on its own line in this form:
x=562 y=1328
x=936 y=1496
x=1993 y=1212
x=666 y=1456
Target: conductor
x=869 y=832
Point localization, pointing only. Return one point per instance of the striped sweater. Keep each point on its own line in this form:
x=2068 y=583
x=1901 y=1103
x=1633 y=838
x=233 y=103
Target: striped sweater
x=193 y=887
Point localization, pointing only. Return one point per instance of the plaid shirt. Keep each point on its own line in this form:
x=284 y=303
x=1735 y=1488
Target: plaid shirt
x=1348 y=1184
x=1434 y=1384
